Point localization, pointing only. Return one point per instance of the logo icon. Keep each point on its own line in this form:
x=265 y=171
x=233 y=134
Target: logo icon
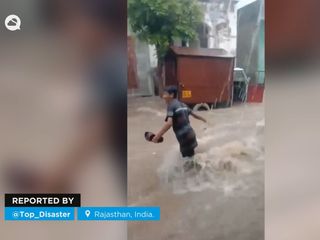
x=15 y=214
x=87 y=212
x=12 y=22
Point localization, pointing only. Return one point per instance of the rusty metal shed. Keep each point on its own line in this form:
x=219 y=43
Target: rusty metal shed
x=201 y=75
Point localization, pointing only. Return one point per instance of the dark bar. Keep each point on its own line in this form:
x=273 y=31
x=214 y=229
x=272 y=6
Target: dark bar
x=42 y=200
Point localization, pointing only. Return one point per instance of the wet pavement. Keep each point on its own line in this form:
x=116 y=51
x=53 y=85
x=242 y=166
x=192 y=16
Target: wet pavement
x=224 y=201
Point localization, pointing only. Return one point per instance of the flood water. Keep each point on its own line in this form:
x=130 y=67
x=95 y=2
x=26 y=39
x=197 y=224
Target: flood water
x=224 y=200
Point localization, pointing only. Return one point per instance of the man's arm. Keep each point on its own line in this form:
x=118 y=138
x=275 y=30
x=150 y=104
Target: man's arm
x=163 y=130
x=198 y=117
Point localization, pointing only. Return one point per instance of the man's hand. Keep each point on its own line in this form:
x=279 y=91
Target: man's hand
x=163 y=130
x=156 y=138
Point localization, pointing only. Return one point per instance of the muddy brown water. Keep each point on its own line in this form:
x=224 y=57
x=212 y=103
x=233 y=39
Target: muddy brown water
x=224 y=201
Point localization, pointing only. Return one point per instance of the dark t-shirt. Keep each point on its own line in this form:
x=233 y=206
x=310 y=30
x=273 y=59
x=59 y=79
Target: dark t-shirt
x=179 y=112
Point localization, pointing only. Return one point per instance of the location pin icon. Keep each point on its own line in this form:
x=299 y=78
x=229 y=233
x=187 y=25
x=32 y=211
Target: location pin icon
x=87 y=212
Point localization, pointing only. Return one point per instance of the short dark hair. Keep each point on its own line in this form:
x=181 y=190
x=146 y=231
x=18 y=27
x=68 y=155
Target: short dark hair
x=172 y=90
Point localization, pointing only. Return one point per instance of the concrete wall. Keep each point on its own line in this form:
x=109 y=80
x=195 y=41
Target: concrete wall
x=144 y=69
x=250 y=41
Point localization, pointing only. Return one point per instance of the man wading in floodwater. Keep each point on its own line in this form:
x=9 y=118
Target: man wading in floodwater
x=178 y=118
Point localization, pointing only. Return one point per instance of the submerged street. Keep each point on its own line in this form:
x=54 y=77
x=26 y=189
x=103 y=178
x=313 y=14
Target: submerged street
x=225 y=200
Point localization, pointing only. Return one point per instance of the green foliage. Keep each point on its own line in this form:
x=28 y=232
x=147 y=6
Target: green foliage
x=158 y=22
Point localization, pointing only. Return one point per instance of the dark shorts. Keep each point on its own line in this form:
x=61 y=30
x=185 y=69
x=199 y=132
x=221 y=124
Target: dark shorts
x=188 y=142
x=187 y=153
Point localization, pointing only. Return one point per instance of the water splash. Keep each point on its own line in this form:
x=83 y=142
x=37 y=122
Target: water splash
x=223 y=164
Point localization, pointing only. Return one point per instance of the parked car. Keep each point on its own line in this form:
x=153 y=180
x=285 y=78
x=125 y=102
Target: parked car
x=240 y=85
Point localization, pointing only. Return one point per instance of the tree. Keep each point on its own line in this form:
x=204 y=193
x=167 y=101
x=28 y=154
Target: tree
x=159 y=22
